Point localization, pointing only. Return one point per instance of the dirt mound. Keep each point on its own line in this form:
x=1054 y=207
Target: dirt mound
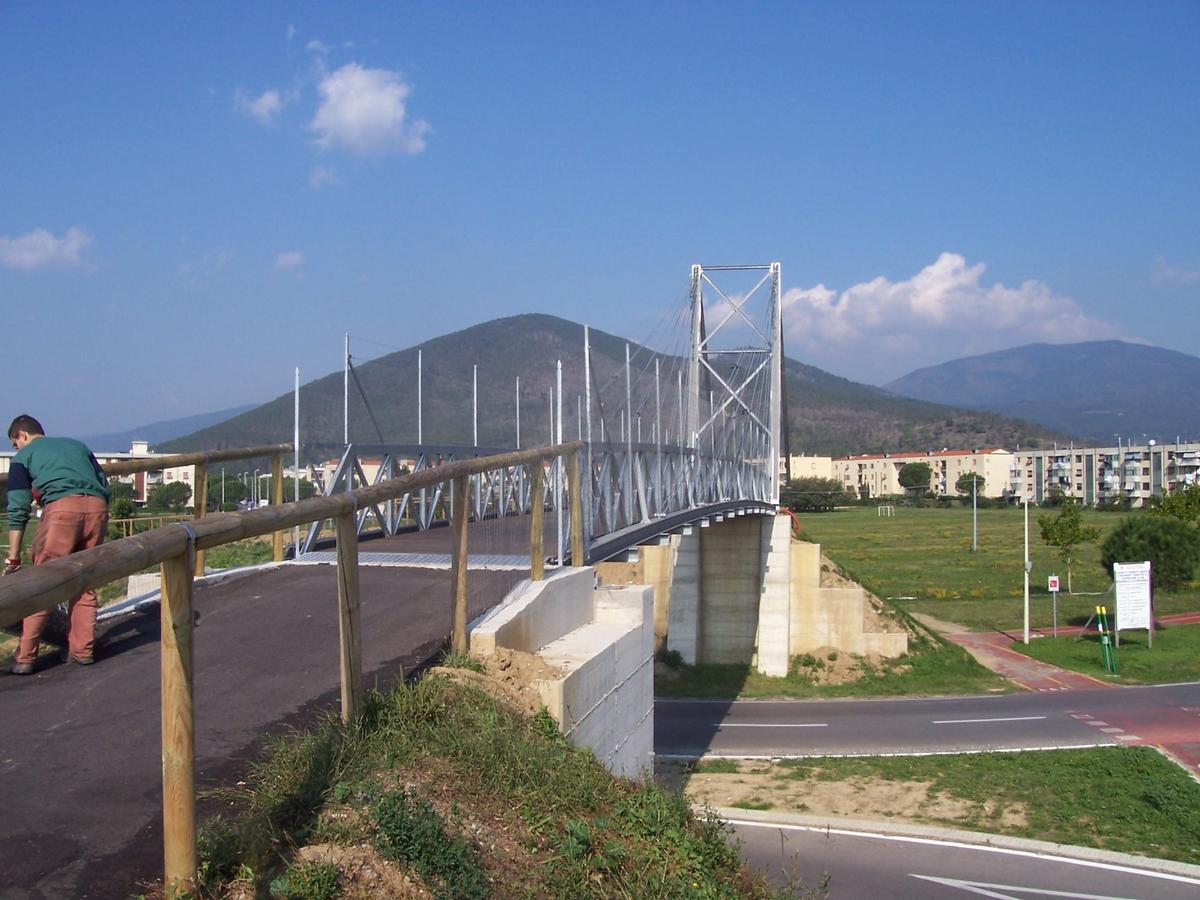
x=511 y=676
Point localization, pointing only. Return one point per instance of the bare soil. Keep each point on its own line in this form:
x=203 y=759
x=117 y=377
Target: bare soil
x=766 y=785
x=511 y=676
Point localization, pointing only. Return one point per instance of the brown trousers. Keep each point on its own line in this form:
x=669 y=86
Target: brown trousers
x=71 y=523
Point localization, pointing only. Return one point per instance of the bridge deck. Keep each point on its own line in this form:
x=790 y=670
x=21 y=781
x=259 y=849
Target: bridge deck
x=79 y=748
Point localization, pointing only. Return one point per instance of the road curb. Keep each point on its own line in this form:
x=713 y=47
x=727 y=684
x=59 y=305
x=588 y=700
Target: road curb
x=974 y=838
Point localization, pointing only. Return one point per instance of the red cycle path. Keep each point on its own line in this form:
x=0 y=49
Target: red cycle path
x=1175 y=731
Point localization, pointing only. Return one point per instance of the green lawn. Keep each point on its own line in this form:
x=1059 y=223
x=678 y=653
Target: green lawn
x=930 y=668
x=1174 y=657
x=921 y=560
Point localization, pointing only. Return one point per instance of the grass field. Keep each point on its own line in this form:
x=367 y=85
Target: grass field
x=921 y=560
x=1175 y=655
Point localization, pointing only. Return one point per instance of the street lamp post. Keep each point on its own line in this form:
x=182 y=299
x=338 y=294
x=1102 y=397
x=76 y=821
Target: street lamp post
x=974 y=515
x=1027 y=568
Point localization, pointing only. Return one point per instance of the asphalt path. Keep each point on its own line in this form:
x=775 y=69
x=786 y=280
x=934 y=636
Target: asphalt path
x=887 y=866
x=1166 y=715
x=80 y=766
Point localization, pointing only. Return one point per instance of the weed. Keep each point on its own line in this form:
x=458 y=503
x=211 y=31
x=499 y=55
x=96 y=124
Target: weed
x=672 y=659
x=455 y=660
x=717 y=767
x=410 y=831
x=308 y=881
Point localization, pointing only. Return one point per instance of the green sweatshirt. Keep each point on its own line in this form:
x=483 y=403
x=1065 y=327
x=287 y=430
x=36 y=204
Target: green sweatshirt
x=48 y=469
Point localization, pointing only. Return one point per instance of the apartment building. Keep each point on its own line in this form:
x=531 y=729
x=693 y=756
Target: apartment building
x=1099 y=475
x=879 y=473
x=804 y=466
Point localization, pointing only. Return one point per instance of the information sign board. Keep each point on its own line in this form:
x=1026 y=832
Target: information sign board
x=1133 y=594
x=1052 y=584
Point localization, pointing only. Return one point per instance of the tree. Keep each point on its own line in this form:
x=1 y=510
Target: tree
x=1169 y=544
x=1183 y=505
x=173 y=496
x=915 y=477
x=812 y=494
x=965 y=480
x=120 y=500
x=1064 y=531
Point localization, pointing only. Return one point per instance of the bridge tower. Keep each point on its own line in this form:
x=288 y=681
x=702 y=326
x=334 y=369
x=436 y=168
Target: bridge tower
x=735 y=370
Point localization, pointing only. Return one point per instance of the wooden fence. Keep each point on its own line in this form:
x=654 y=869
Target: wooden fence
x=176 y=548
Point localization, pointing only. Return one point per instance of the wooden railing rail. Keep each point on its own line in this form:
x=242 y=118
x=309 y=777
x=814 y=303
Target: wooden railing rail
x=175 y=546
x=200 y=460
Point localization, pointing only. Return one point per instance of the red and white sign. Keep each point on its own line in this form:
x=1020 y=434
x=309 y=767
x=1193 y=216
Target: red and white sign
x=1052 y=584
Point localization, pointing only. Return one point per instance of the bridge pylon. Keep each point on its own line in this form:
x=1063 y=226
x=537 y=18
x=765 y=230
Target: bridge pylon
x=735 y=369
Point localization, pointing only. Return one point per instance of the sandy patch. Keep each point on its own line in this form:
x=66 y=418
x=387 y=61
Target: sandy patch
x=766 y=785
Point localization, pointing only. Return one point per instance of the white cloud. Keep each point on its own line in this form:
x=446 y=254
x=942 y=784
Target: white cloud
x=319 y=176
x=365 y=110
x=288 y=260
x=291 y=32
x=40 y=249
x=881 y=329
x=1164 y=272
x=315 y=46
x=263 y=109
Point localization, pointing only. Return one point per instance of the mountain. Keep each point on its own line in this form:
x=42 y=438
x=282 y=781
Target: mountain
x=156 y=432
x=1095 y=389
x=826 y=414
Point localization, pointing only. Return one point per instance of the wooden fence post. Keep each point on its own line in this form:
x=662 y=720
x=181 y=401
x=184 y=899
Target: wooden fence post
x=575 y=499
x=458 y=562
x=199 y=504
x=178 y=727
x=537 y=519
x=277 y=500
x=349 y=641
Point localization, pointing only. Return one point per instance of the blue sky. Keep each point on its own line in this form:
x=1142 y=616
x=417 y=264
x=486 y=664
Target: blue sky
x=194 y=201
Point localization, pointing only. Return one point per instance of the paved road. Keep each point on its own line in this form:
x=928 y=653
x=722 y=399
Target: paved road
x=80 y=770
x=1163 y=715
x=886 y=866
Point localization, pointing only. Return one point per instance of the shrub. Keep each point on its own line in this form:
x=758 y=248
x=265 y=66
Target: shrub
x=1171 y=545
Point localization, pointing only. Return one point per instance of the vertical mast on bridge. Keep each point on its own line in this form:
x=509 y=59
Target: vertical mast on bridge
x=744 y=370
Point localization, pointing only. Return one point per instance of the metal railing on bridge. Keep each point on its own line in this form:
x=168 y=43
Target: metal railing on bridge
x=631 y=486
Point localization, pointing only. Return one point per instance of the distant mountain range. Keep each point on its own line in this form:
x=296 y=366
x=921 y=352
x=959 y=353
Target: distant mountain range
x=1095 y=390
x=826 y=414
x=158 y=432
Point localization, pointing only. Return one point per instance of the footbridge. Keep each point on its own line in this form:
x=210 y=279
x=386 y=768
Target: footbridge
x=674 y=467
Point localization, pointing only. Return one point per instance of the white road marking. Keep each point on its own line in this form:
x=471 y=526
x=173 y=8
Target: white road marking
x=723 y=725
x=1127 y=737
x=1096 y=723
x=971 y=721
x=987 y=889
x=1112 y=730
x=960 y=845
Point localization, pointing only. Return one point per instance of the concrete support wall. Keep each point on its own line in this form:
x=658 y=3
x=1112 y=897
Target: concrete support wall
x=655 y=566
x=774 y=599
x=684 y=615
x=601 y=641
x=730 y=577
x=832 y=616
